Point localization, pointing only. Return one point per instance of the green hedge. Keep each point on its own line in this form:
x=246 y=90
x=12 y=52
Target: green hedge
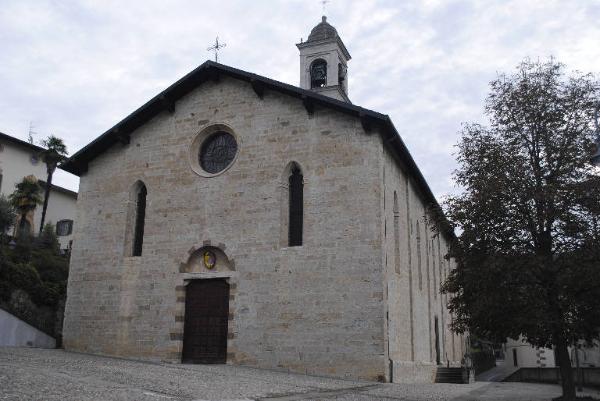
x=35 y=267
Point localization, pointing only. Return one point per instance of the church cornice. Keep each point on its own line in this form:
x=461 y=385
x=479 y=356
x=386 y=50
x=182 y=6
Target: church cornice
x=337 y=40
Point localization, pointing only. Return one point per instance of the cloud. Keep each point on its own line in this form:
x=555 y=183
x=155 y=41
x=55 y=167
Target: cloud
x=76 y=68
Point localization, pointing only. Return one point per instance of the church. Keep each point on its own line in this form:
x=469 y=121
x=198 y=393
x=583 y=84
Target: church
x=237 y=219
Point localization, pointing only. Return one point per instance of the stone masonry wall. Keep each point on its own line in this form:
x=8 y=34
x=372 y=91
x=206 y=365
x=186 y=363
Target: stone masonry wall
x=415 y=267
x=314 y=309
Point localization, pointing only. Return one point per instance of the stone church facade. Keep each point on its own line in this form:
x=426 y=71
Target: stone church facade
x=236 y=219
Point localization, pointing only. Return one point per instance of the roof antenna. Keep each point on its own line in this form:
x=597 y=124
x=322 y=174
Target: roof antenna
x=31 y=133
x=216 y=47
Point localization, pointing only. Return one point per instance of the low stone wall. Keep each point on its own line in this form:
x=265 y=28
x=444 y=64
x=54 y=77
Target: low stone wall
x=590 y=376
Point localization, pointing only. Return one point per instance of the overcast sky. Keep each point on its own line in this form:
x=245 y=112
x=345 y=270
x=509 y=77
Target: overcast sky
x=75 y=69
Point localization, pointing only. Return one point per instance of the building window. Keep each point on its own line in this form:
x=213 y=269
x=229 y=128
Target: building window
x=342 y=72
x=296 y=196
x=140 y=216
x=318 y=74
x=217 y=152
x=435 y=291
x=214 y=150
x=396 y=233
x=64 y=227
x=419 y=256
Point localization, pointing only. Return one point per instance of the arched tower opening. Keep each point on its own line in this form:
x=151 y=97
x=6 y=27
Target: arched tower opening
x=324 y=62
x=318 y=74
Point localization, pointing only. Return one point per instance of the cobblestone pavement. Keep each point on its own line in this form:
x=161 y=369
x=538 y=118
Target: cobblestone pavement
x=40 y=374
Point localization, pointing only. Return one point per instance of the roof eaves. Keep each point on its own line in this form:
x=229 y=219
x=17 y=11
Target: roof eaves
x=60 y=189
x=20 y=142
x=336 y=39
x=394 y=142
x=77 y=163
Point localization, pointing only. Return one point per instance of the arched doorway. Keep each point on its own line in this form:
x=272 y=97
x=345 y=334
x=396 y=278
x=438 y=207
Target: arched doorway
x=206 y=321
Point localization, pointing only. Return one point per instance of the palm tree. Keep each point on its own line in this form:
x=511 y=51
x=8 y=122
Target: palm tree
x=55 y=152
x=25 y=198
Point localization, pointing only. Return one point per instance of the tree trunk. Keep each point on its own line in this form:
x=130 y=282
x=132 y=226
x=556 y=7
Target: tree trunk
x=21 y=225
x=46 y=197
x=566 y=372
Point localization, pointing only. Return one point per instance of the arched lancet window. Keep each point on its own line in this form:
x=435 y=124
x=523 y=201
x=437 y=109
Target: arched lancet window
x=296 y=211
x=342 y=72
x=318 y=74
x=140 y=216
x=433 y=258
x=409 y=226
x=419 y=256
x=396 y=233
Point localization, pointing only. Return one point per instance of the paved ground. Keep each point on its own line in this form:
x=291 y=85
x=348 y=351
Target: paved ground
x=38 y=374
x=497 y=374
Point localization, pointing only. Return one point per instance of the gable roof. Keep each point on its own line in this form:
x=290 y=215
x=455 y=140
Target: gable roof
x=209 y=70
x=60 y=189
x=19 y=142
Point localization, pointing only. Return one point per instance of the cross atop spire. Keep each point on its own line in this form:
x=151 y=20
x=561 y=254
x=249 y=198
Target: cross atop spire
x=216 y=47
x=324 y=4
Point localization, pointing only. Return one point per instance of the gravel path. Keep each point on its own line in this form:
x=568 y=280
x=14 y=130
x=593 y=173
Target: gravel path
x=41 y=374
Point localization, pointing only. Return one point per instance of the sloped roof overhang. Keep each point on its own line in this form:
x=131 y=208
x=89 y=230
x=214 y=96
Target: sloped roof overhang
x=23 y=144
x=209 y=70
x=337 y=40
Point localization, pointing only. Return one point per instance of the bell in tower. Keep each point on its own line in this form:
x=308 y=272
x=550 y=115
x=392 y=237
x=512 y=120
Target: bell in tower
x=324 y=62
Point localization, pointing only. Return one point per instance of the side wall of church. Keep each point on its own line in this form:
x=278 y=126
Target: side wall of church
x=415 y=267
x=315 y=309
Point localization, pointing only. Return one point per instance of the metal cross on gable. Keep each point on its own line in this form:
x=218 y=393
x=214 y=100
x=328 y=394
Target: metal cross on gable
x=323 y=4
x=216 y=47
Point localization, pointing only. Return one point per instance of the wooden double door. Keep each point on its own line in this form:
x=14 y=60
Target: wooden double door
x=206 y=321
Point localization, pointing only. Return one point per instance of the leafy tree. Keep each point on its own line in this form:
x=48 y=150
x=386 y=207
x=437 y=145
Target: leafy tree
x=51 y=265
x=55 y=152
x=48 y=239
x=25 y=199
x=7 y=214
x=528 y=256
x=7 y=217
x=36 y=268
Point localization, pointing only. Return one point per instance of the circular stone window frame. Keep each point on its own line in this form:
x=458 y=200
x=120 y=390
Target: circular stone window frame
x=203 y=135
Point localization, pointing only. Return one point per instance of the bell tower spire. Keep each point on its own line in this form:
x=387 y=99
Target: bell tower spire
x=324 y=62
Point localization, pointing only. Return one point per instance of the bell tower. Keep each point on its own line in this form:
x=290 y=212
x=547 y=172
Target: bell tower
x=324 y=62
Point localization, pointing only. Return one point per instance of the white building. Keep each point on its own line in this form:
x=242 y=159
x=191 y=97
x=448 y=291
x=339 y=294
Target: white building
x=19 y=159
x=520 y=353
